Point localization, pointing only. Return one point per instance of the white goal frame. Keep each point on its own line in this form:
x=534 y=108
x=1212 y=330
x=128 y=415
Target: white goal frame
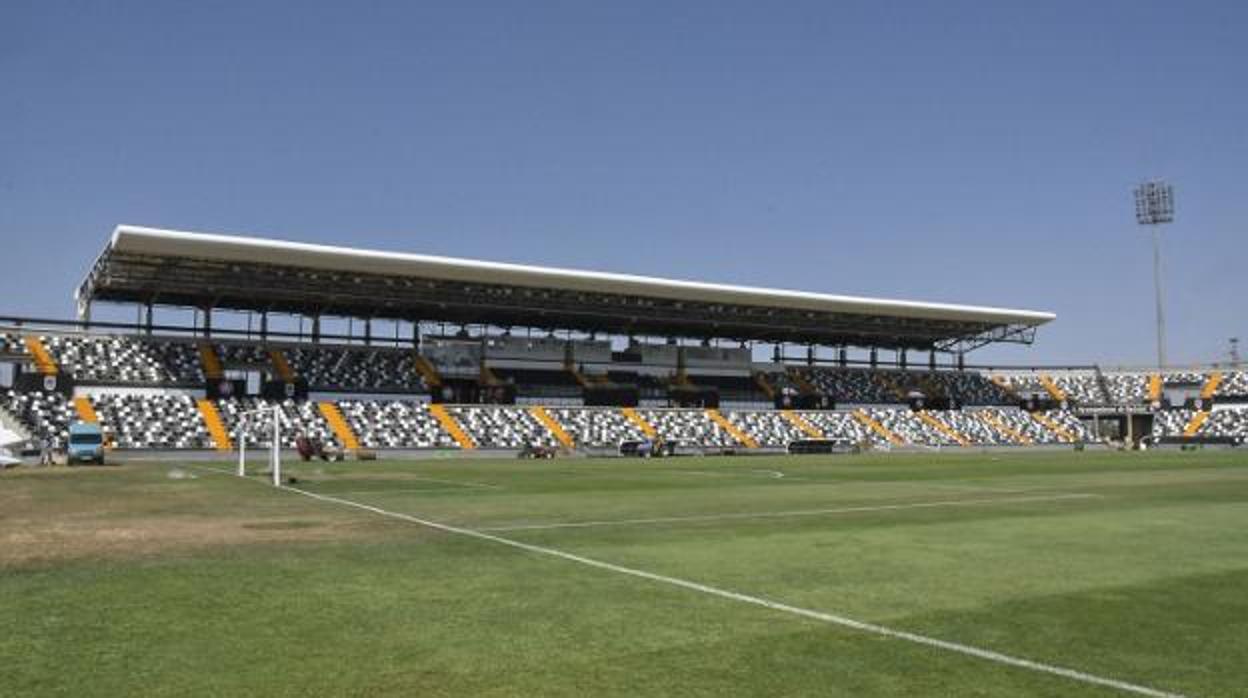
x=274 y=415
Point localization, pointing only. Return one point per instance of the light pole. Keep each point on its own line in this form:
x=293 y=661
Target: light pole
x=1154 y=205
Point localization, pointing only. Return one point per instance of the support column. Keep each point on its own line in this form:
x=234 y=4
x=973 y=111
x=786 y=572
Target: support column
x=208 y=321
x=316 y=329
x=901 y=358
x=147 y=321
x=875 y=357
x=931 y=361
x=264 y=326
x=368 y=332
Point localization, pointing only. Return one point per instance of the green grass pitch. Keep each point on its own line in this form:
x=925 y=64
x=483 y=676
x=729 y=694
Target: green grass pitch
x=174 y=579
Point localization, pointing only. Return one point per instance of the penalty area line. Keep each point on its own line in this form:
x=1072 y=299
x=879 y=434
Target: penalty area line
x=790 y=514
x=405 y=490
x=830 y=618
x=456 y=485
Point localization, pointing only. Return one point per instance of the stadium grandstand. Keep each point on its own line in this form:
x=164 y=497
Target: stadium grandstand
x=503 y=356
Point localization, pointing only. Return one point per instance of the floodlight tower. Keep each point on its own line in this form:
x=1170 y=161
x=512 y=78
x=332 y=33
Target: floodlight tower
x=1154 y=205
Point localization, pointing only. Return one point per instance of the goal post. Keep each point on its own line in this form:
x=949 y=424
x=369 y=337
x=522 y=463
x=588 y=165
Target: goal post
x=273 y=415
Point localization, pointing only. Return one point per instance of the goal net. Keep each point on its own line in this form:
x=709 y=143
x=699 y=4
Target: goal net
x=268 y=420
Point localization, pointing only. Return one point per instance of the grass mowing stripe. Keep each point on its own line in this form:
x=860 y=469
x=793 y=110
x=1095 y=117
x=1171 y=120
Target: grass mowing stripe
x=787 y=514
x=968 y=650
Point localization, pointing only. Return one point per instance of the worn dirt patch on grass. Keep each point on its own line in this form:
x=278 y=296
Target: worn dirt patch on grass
x=33 y=542
x=60 y=515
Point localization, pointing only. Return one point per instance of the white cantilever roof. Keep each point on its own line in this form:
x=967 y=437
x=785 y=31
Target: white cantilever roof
x=156 y=243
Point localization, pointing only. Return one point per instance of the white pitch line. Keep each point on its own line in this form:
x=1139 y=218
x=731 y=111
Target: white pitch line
x=843 y=621
x=407 y=490
x=413 y=490
x=964 y=488
x=787 y=514
x=460 y=483
x=771 y=474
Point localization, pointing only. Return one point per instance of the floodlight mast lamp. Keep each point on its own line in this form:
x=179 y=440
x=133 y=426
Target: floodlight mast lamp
x=1154 y=205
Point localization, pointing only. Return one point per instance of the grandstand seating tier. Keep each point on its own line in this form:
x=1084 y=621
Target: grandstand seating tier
x=156 y=420
x=163 y=416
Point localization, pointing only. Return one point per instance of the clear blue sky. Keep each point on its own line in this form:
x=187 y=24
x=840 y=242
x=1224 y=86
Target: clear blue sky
x=979 y=152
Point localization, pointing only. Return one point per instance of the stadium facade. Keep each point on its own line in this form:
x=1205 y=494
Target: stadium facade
x=538 y=356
